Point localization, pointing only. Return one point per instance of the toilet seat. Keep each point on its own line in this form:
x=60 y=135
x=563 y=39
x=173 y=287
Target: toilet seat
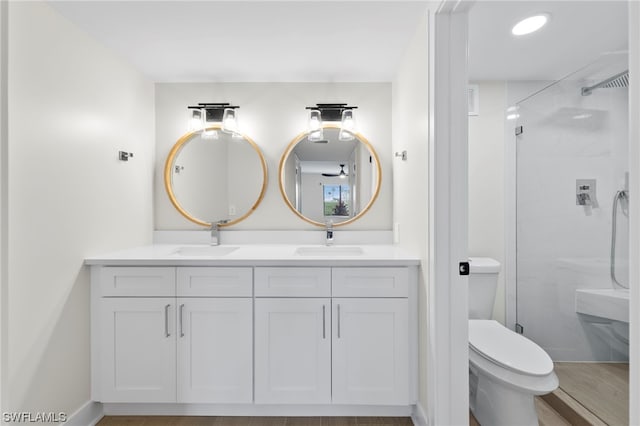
x=510 y=350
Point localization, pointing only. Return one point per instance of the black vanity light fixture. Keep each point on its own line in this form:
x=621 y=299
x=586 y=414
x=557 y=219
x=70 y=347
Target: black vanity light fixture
x=205 y=115
x=331 y=112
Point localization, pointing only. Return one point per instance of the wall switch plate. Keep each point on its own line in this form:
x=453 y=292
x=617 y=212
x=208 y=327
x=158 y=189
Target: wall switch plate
x=396 y=233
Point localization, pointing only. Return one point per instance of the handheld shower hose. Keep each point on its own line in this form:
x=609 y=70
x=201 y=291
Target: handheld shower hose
x=617 y=199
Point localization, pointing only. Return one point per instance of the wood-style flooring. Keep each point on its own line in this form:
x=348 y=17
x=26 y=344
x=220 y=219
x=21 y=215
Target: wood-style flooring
x=547 y=416
x=602 y=388
x=252 y=421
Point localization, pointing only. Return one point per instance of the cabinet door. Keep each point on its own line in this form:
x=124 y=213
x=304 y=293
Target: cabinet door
x=370 y=351
x=293 y=351
x=137 y=350
x=215 y=355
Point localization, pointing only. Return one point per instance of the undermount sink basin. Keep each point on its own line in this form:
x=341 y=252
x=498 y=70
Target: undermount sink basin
x=205 y=251
x=329 y=251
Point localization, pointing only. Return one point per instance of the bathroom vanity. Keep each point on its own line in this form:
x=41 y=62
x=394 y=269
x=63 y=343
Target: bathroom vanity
x=263 y=330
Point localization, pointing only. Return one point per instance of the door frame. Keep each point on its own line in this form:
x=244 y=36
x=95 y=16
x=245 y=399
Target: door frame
x=4 y=205
x=448 y=359
x=447 y=367
x=634 y=212
x=457 y=46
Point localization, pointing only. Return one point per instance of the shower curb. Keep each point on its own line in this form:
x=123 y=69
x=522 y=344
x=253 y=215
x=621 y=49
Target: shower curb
x=572 y=410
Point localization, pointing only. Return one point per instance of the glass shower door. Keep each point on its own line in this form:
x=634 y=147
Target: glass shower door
x=571 y=160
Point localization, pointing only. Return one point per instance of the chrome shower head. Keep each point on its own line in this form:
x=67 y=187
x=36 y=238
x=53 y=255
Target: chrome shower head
x=618 y=80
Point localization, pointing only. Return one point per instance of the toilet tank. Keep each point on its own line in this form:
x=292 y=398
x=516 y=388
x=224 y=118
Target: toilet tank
x=483 y=280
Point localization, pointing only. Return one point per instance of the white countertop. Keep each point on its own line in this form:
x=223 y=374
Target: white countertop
x=259 y=255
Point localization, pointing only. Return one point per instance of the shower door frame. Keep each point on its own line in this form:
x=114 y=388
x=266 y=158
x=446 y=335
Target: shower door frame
x=634 y=211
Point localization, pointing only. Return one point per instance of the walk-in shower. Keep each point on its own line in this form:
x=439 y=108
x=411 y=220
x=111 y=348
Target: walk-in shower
x=572 y=200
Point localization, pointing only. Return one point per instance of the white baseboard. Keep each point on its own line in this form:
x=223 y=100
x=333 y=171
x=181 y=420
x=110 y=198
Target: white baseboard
x=88 y=415
x=254 y=410
x=418 y=416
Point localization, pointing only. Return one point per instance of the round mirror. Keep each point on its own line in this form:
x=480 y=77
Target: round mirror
x=330 y=180
x=212 y=176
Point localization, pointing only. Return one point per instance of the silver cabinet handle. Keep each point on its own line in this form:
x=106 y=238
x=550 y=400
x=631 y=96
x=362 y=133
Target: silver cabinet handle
x=166 y=321
x=324 y=333
x=338 y=321
x=181 y=312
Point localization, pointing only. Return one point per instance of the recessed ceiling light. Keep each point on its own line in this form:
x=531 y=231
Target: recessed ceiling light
x=530 y=24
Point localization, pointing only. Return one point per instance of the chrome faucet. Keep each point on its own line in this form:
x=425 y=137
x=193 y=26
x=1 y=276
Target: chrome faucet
x=215 y=232
x=329 y=233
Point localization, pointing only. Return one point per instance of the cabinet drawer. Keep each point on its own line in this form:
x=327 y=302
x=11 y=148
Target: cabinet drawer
x=214 y=282
x=370 y=282
x=137 y=281
x=293 y=282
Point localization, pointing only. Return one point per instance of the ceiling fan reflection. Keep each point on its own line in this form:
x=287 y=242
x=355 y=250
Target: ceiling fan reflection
x=342 y=173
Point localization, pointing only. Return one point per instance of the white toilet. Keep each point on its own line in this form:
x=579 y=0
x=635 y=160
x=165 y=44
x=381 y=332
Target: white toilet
x=506 y=370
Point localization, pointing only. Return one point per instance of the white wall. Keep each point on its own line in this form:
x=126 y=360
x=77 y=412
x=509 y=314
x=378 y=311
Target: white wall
x=272 y=114
x=410 y=178
x=486 y=182
x=72 y=105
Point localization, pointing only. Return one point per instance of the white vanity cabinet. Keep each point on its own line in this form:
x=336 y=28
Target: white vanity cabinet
x=350 y=349
x=255 y=337
x=192 y=347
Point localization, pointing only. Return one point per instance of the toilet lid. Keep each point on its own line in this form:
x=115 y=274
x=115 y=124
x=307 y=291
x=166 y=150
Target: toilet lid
x=511 y=350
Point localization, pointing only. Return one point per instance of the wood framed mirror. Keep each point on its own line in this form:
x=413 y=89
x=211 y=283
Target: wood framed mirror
x=212 y=176
x=330 y=180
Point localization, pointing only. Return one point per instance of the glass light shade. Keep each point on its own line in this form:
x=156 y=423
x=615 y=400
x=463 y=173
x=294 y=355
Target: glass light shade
x=195 y=119
x=315 y=126
x=347 y=126
x=315 y=120
x=230 y=120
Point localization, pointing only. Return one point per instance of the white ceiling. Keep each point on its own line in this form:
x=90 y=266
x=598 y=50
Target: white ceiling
x=578 y=33
x=180 y=41
x=331 y=41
